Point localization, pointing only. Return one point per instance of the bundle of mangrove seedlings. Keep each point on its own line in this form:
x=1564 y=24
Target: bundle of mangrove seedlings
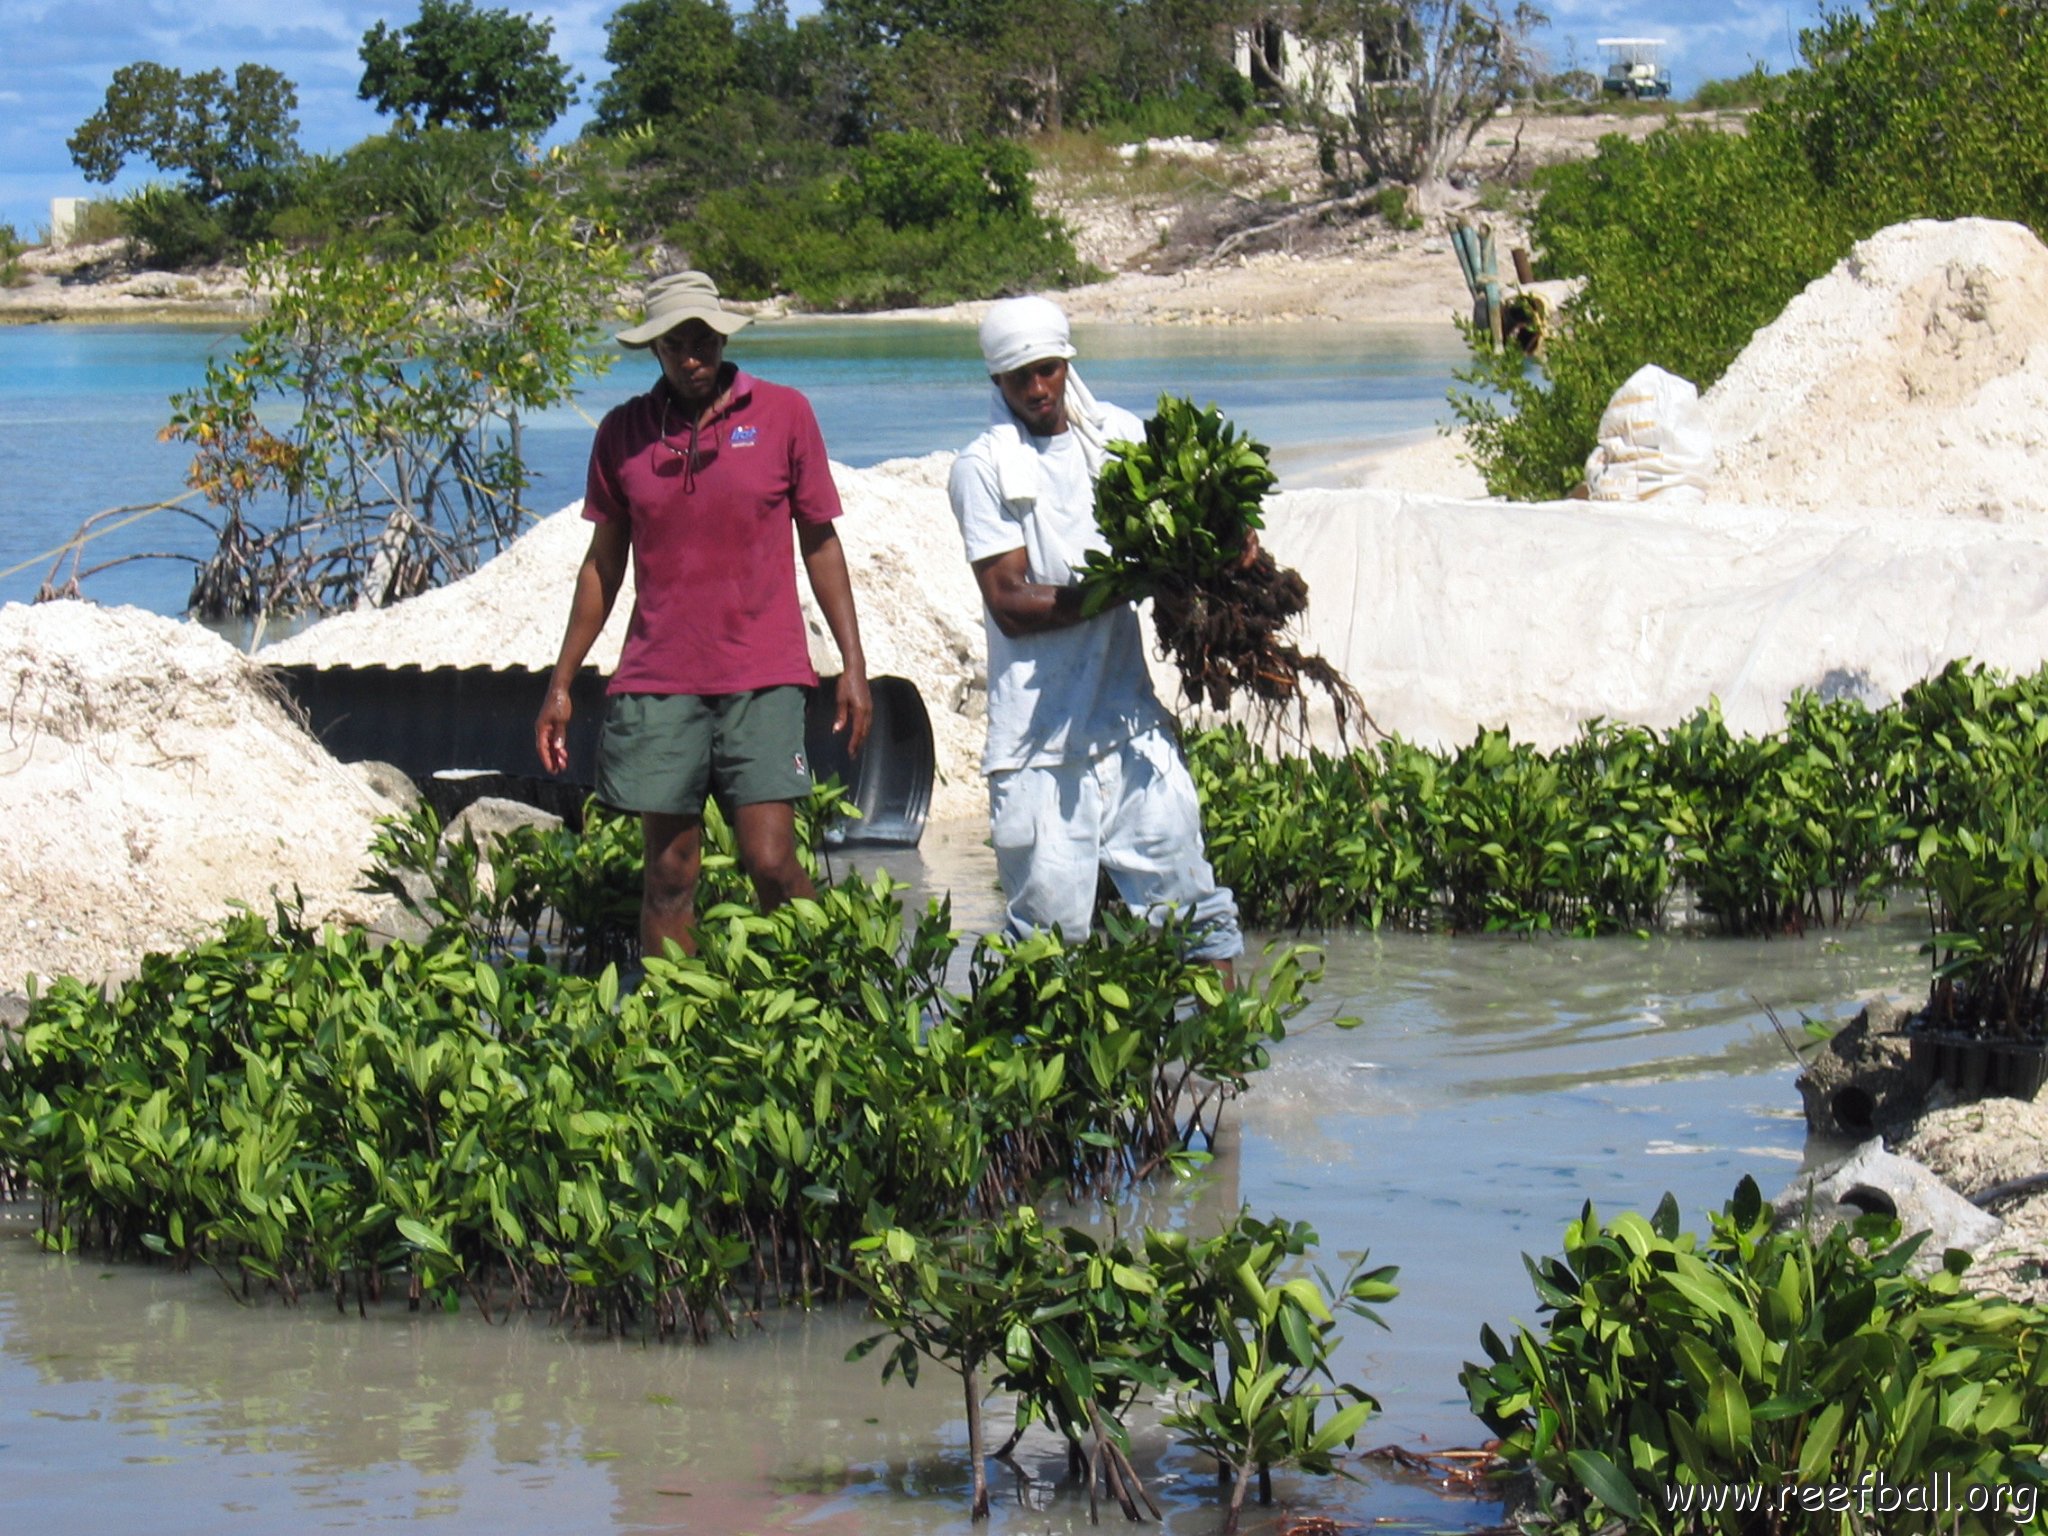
x=1180 y=511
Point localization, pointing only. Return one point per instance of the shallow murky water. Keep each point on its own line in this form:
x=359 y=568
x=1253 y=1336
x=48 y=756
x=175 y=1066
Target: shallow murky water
x=1490 y=1089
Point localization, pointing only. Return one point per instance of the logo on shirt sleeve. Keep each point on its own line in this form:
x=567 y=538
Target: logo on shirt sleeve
x=743 y=437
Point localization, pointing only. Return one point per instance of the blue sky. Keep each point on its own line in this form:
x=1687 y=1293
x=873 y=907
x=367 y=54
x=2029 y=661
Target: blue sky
x=61 y=53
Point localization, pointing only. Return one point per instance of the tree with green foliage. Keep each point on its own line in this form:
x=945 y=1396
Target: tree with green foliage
x=401 y=467
x=1926 y=108
x=913 y=220
x=1689 y=241
x=235 y=143
x=1734 y=93
x=672 y=62
x=1427 y=76
x=10 y=257
x=228 y=140
x=1165 y=47
x=700 y=101
x=467 y=68
x=964 y=68
x=1692 y=240
x=395 y=191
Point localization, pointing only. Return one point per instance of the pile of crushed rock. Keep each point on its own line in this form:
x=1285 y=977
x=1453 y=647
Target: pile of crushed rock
x=1991 y=1151
x=152 y=777
x=1912 y=379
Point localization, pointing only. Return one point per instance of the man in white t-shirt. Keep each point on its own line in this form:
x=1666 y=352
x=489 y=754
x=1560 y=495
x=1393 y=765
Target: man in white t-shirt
x=1083 y=769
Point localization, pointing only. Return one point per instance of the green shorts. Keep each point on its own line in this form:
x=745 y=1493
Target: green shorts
x=664 y=752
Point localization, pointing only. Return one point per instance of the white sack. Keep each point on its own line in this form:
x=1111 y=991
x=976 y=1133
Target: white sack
x=1654 y=442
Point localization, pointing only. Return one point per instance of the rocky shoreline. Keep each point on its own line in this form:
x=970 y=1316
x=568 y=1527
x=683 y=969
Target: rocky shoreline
x=1410 y=281
x=98 y=285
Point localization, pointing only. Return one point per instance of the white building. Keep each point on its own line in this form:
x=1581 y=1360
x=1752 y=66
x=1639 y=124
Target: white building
x=64 y=215
x=1325 y=74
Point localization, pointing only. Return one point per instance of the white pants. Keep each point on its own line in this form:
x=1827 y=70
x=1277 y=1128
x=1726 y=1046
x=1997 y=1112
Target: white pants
x=1131 y=812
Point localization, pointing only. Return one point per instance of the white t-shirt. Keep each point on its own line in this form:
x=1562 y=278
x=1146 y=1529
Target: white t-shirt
x=1067 y=694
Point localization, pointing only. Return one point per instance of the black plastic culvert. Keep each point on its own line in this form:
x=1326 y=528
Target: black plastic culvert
x=437 y=720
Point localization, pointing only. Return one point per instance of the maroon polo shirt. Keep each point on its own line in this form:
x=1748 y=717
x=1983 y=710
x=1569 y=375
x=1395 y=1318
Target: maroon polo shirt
x=710 y=513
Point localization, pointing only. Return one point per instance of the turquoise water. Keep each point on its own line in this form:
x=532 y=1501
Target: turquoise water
x=81 y=406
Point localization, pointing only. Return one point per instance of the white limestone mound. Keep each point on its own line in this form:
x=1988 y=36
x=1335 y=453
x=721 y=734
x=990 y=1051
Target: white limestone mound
x=150 y=777
x=920 y=614
x=1911 y=380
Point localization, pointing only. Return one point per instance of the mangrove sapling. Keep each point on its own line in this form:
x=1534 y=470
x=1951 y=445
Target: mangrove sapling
x=1989 y=909
x=1104 y=1072
x=402 y=465
x=1179 y=510
x=1252 y=1350
x=1081 y=1355
x=1609 y=772
x=954 y=1298
x=571 y=893
x=1081 y=1326
x=1773 y=833
x=1846 y=780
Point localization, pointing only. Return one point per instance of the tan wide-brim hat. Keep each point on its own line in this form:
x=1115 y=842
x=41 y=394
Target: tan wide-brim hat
x=674 y=299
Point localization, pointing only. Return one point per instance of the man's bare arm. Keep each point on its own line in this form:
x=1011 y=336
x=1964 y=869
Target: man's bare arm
x=597 y=588
x=1022 y=606
x=825 y=566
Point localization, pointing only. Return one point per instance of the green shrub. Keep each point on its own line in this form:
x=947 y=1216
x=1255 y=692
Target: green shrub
x=912 y=180
x=1738 y=91
x=324 y=1113
x=1218 y=106
x=173 y=228
x=99 y=218
x=915 y=221
x=393 y=192
x=1689 y=241
x=11 y=247
x=1391 y=204
x=1669 y=1368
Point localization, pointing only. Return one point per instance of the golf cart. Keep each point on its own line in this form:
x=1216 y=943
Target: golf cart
x=1635 y=68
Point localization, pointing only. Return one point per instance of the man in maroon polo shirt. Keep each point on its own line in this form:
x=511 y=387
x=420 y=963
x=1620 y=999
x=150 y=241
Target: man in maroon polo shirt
x=700 y=482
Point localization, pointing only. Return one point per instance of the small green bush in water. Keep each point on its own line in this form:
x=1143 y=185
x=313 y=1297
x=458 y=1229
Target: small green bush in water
x=1671 y=1370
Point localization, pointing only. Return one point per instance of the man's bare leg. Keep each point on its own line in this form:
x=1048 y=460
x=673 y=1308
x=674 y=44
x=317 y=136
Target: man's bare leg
x=668 y=885
x=766 y=835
